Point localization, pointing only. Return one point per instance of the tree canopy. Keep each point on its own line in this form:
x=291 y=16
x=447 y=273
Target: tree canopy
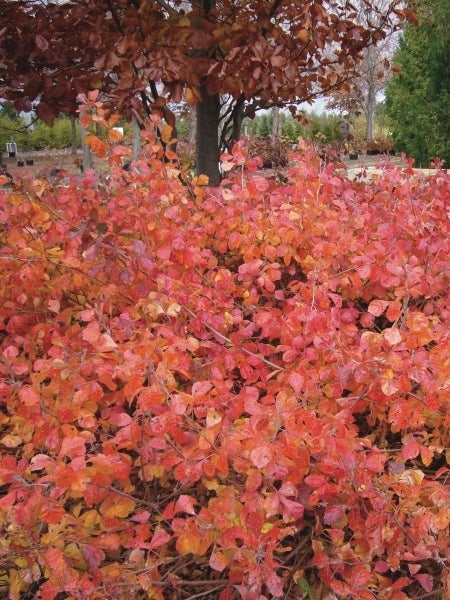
x=418 y=96
x=143 y=55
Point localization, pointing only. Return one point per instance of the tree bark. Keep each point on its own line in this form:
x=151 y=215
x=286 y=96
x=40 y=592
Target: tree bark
x=238 y=117
x=370 y=103
x=73 y=127
x=207 y=138
x=276 y=122
x=87 y=157
x=136 y=138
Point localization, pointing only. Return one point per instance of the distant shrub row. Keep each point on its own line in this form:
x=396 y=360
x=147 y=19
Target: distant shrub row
x=37 y=135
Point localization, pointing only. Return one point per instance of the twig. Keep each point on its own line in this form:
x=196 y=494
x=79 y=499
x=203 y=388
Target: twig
x=185 y=582
x=226 y=339
x=152 y=505
x=429 y=594
x=200 y=594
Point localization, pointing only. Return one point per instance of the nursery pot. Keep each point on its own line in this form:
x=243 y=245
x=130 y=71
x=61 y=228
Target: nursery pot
x=30 y=161
x=20 y=163
x=353 y=156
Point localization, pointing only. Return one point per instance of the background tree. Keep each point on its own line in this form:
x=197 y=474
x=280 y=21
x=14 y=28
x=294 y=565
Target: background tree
x=418 y=99
x=361 y=94
x=142 y=55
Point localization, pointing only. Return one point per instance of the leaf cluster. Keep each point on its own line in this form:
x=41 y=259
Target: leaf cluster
x=260 y=52
x=237 y=391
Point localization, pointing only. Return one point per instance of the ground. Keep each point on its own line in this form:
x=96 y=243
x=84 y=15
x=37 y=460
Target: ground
x=48 y=162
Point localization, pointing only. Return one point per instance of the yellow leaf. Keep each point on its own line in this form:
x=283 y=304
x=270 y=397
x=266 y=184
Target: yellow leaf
x=117 y=507
x=411 y=477
x=11 y=441
x=72 y=551
x=90 y=520
x=211 y=484
x=15 y=585
x=173 y=309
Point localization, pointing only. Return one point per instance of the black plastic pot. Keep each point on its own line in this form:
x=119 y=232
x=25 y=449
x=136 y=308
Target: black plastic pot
x=20 y=163
x=11 y=154
x=353 y=156
x=30 y=161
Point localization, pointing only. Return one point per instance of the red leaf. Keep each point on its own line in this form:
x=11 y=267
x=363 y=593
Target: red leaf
x=160 y=537
x=297 y=382
x=41 y=42
x=392 y=335
x=218 y=561
x=333 y=514
x=375 y=462
x=201 y=388
x=411 y=449
x=93 y=556
x=91 y=332
x=292 y=509
x=29 y=396
x=40 y=461
x=315 y=480
x=261 y=456
x=185 y=504
x=46 y=112
x=426 y=581
x=377 y=307
x=105 y=343
x=49 y=590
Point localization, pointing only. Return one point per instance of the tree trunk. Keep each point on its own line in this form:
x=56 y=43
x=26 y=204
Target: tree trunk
x=369 y=111
x=136 y=138
x=369 y=108
x=276 y=122
x=238 y=117
x=73 y=128
x=87 y=157
x=207 y=138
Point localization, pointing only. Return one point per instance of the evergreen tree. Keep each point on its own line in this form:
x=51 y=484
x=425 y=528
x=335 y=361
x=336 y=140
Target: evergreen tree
x=418 y=99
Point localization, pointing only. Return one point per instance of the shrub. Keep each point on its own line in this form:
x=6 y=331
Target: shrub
x=375 y=146
x=59 y=135
x=239 y=390
x=13 y=130
x=186 y=156
x=273 y=150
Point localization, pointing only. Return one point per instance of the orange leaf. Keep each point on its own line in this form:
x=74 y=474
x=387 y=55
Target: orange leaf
x=115 y=134
x=166 y=134
x=188 y=543
x=191 y=96
x=200 y=180
x=105 y=343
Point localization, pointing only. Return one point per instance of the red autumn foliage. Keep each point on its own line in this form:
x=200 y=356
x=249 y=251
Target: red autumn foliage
x=242 y=391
